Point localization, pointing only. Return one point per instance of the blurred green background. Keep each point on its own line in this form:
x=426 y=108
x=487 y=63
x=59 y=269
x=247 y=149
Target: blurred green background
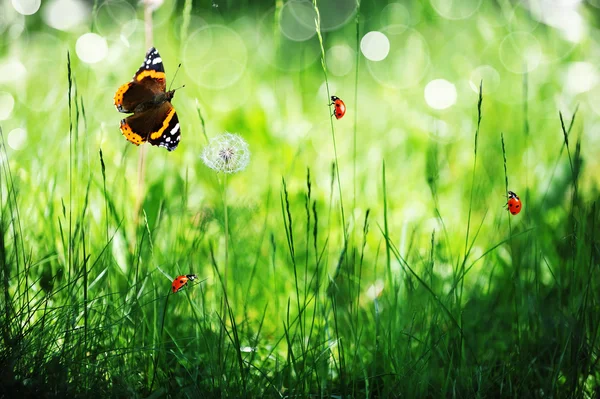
x=392 y=270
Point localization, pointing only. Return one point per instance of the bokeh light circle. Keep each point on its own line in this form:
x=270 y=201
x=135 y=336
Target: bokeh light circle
x=395 y=14
x=407 y=62
x=15 y=31
x=132 y=33
x=520 y=16
x=520 y=52
x=340 y=59
x=113 y=13
x=65 y=14
x=281 y=52
x=592 y=99
x=215 y=57
x=7 y=103
x=581 y=77
x=154 y=4
x=26 y=7
x=455 y=9
x=91 y=48
x=297 y=20
x=375 y=46
x=442 y=131
x=335 y=14
x=165 y=13
x=195 y=22
x=489 y=76
x=12 y=71
x=17 y=138
x=440 y=94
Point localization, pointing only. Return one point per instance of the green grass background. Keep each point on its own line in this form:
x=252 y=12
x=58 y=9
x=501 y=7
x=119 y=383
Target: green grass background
x=382 y=266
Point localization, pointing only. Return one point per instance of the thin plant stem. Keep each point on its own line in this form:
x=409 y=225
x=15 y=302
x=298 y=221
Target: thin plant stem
x=356 y=63
x=337 y=168
x=466 y=251
x=142 y=158
x=148 y=23
x=474 y=165
x=157 y=354
x=226 y=221
x=510 y=238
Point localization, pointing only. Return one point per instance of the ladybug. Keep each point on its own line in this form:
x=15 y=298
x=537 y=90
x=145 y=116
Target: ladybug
x=514 y=203
x=340 y=107
x=181 y=281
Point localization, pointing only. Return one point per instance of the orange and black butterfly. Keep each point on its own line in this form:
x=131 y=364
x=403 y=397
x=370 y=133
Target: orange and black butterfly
x=154 y=119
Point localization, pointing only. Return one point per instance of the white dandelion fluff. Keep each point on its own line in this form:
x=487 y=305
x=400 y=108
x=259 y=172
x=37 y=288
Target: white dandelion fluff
x=228 y=153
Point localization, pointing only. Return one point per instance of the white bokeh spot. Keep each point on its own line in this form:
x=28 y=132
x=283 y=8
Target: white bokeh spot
x=340 y=59
x=12 y=71
x=297 y=20
x=375 y=46
x=581 y=77
x=26 y=7
x=489 y=76
x=520 y=52
x=17 y=138
x=440 y=94
x=91 y=48
x=65 y=14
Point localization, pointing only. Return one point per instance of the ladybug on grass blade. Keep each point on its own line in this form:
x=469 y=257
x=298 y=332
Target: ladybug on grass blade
x=340 y=107
x=514 y=204
x=181 y=281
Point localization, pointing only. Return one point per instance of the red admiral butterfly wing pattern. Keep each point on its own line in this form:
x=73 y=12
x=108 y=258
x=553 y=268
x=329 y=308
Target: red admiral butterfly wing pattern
x=154 y=119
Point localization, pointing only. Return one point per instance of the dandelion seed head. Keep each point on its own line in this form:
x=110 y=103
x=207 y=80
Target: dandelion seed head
x=227 y=153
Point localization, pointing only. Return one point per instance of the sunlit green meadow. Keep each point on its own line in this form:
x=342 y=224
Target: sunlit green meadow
x=370 y=256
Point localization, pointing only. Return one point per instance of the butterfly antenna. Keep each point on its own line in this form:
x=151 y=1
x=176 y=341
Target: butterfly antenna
x=174 y=76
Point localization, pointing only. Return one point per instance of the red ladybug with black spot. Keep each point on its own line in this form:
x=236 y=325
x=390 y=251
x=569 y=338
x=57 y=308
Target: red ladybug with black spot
x=514 y=204
x=340 y=108
x=181 y=281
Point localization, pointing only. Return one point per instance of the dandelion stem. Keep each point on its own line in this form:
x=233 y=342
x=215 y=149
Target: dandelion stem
x=226 y=217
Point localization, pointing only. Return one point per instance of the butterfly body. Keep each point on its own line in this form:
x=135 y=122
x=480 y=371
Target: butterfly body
x=154 y=119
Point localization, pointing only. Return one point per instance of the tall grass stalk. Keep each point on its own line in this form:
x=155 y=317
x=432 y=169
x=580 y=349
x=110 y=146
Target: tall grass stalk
x=70 y=100
x=562 y=148
x=467 y=249
x=149 y=39
x=355 y=107
x=526 y=133
x=337 y=166
x=479 y=115
x=199 y=110
x=187 y=12
x=388 y=262
x=289 y=230
x=516 y=271
x=575 y=168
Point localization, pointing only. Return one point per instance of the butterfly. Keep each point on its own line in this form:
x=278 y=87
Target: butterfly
x=154 y=119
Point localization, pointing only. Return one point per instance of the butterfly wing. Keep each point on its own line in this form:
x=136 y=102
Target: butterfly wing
x=130 y=95
x=158 y=126
x=149 y=80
